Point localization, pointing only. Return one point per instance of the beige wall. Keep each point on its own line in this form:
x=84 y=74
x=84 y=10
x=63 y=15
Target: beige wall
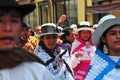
x=81 y=10
x=90 y=16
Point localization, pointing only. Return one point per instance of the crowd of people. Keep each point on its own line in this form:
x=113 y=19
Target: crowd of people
x=51 y=52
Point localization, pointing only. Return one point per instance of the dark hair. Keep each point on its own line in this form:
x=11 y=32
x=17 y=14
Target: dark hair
x=66 y=32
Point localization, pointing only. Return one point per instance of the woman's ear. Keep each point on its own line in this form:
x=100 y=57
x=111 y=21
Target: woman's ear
x=103 y=39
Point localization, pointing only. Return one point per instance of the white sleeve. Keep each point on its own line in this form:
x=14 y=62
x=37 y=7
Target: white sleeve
x=26 y=71
x=39 y=71
x=74 y=61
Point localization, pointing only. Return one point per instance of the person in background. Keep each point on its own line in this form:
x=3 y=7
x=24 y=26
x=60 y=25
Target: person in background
x=23 y=35
x=32 y=41
x=55 y=56
x=31 y=32
x=106 y=65
x=68 y=37
x=27 y=41
x=37 y=32
x=73 y=26
x=82 y=50
x=32 y=38
x=16 y=63
x=59 y=40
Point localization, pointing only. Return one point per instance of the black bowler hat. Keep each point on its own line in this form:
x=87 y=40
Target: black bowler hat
x=24 y=9
x=49 y=28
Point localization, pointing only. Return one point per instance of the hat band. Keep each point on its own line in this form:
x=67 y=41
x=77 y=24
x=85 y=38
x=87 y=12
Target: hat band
x=48 y=29
x=81 y=26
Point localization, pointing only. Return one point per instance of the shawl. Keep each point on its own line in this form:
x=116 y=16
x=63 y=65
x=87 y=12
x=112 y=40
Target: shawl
x=100 y=65
x=10 y=59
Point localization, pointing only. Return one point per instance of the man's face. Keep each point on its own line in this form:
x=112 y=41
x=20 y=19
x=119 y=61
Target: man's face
x=10 y=27
x=71 y=37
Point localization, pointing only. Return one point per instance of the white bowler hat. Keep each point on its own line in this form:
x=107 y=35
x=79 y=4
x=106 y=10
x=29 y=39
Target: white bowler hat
x=84 y=25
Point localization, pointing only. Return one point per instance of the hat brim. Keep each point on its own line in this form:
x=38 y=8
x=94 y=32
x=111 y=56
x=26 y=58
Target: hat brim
x=102 y=28
x=85 y=28
x=26 y=9
x=23 y=9
x=59 y=34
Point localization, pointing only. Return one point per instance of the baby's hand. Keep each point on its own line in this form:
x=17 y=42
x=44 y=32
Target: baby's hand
x=79 y=54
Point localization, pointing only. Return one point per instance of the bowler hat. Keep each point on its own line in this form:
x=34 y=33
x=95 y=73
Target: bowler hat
x=106 y=24
x=84 y=25
x=24 y=9
x=49 y=28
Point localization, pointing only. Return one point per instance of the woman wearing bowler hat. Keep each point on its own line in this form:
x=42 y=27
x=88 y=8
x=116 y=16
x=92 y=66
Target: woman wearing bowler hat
x=55 y=56
x=16 y=63
x=105 y=64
